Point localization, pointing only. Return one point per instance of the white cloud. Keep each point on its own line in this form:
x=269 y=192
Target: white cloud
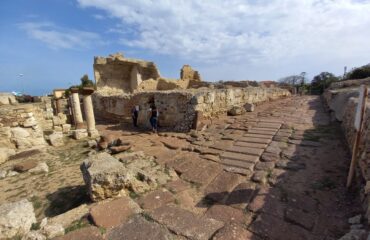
x=249 y=31
x=98 y=17
x=59 y=38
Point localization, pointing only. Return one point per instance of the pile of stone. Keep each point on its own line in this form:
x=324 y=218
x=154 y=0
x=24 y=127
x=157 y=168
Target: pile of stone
x=112 y=144
x=60 y=123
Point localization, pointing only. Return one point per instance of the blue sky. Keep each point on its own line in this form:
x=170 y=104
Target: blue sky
x=53 y=42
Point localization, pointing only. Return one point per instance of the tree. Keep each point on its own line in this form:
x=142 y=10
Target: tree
x=322 y=81
x=359 y=73
x=86 y=82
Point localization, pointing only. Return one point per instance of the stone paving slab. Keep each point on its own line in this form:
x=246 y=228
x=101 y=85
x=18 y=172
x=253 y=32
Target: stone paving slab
x=298 y=217
x=156 y=199
x=240 y=157
x=267 y=200
x=139 y=228
x=251 y=145
x=185 y=223
x=261 y=132
x=254 y=140
x=238 y=164
x=177 y=186
x=226 y=214
x=270 y=227
x=87 y=233
x=222 y=186
x=258 y=136
x=113 y=213
x=202 y=172
x=238 y=170
x=241 y=195
x=269 y=125
x=234 y=231
x=266 y=130
x=246 y=150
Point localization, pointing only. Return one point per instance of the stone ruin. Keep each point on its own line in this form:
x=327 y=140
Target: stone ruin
x=117 y=74
x=183 y=104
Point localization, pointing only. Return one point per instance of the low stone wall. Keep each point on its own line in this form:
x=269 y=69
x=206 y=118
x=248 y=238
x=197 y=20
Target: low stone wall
x=178 y=108
x=345 y=105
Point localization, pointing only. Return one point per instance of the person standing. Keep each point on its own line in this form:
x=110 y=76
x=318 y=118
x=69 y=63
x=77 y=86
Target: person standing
x=154 y=118
x=135 y=115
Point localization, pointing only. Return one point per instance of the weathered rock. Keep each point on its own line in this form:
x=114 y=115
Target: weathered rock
x=34 y=235
x=249 y=107
x=40 y=168
x=355 y=220
x=16 y=218
x=5 y=153
x=12 y=173
x=56 y=139
x=104 y=176
x=25 y=165
x=226 y=214
x=80 y=134
x=236 y=110
x=53 y=230
x=3 y=174
x=113 y=213
x=30 y=122
x=185 y=223
x=19 y=132
x=354 y=234
x=260 y=177
x=67 y=218
x=118 y=149
x=222 y=186
x=92 y=143
x=66 y=128
x=87 y=233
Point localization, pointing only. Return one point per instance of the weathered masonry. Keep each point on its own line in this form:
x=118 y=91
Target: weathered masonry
x=123 y=83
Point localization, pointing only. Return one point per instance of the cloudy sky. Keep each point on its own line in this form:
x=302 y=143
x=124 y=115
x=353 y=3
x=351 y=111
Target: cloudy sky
x=46 y=44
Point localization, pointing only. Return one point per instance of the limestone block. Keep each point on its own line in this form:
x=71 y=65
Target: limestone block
x=5 y=153
x=58 y=129
x=236 y=110
x=19 y=132
x=30 y=122
x=56 y=139
x=16 y=218
x=80 y=134
x=66 y=128
x=53 y=230
x=104 y=176
x=34 y=235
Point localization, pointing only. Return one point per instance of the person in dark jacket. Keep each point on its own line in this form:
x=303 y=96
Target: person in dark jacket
x=154 y=118
x=135 y=115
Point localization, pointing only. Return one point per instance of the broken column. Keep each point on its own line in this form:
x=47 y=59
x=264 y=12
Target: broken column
x=76 y=108
x=89 y=111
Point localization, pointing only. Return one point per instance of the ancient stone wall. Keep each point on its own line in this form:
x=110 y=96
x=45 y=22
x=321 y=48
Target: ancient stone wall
x=344 y=103
x=7 y=98
x=116 y=74
x=178 y=109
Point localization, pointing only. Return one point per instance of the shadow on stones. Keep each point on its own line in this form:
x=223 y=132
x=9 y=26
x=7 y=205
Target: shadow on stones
x=65 y=199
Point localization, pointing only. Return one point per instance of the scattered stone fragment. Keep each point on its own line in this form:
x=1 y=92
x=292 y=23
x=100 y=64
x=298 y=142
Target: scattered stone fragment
x=56 y=139
x=260 y=177
x=34 y=235
x=67 y=218
x=289 y=165
x=118 y=149
x=16 y=218
x=249 y=107
x=269 y=157
x=264 y=166
x=53 y=230
x=236 y=110
x=40 y=168
x=354 y=234
x=185 y=223
x=80 y=134
x=113 y=213
x=25 y=165
x=5 y=153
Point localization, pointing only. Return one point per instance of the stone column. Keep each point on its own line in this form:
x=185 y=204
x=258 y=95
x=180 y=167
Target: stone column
x=89 y=111
x=76 y=108
x=58 y=105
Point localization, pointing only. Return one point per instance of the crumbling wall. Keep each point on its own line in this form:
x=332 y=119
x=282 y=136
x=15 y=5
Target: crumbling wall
x=116 y=74
x=178 y=108
x=7 y=98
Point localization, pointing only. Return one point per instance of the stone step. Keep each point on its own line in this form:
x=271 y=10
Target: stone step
x=270 y=120
x=254 y=140
x=240 y=157
x=246 y=150
x=258 y=135
x=269 y=125
x=238 y=164
x=251 y=145
x=264 y=129
x=254 y=131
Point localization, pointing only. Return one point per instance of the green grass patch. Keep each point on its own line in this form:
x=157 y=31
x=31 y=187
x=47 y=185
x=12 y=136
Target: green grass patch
x=77 y=225
x=36 y=202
